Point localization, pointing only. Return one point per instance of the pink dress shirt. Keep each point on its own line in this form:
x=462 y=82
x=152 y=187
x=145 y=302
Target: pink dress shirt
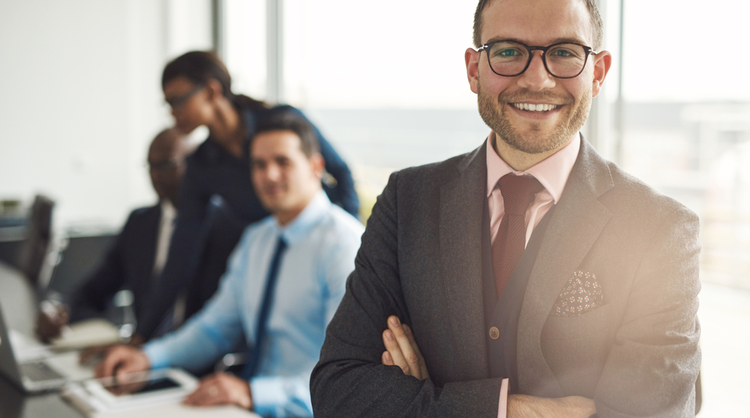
x=553 y=174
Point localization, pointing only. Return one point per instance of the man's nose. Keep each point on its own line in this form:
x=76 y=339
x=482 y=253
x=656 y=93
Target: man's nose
x=536 y=77
x=272 y=172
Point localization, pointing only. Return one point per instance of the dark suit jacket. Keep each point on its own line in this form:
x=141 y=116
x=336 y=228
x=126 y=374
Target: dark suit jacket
x=421 y=259
x=129 y=264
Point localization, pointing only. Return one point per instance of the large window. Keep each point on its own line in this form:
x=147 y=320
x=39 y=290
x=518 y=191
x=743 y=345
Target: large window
x=686 y=131
x=384 y=81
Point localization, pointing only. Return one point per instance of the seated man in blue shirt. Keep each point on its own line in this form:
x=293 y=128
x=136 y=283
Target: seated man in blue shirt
x=284 y=281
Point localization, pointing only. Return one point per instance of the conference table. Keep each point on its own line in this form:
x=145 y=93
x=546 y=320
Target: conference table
x=18 y=302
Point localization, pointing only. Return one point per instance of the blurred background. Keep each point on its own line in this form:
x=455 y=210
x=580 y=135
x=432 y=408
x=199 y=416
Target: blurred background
x=80 y=99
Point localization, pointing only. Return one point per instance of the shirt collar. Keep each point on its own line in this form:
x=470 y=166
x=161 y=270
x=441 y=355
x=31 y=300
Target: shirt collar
x=552 y=172
x=310 y=215
x=168 y=210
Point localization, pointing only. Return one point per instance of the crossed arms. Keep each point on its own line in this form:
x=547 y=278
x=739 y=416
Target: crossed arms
x=648 y=371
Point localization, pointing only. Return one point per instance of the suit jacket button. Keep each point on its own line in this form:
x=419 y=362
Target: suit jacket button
x=494 y=333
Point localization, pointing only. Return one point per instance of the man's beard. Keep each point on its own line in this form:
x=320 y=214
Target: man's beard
x=493 y=113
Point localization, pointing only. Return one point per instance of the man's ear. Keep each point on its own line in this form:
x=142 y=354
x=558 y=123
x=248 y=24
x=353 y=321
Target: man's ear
x=318 y=164
x=472 y=68
x=214 y=89
x=602 y=63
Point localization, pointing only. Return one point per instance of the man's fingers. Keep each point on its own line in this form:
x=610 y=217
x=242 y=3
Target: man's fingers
x=202 y=394
x=402 y=350
x=215 y=390
x=107 y=366
x=394 y=351
x=415 y=347
x=196 y=398
x=123 y=360
x=386 y=358
x=407 y=351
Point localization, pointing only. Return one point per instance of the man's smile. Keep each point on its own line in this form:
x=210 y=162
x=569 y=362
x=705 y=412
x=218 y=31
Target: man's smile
x=532 y=107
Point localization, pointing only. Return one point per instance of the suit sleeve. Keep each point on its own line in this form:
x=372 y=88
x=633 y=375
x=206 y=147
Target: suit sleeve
x=90 y=299
x=349 y=379
x=653 y=364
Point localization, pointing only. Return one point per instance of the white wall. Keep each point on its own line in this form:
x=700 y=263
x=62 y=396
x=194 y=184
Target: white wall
x=80 y=98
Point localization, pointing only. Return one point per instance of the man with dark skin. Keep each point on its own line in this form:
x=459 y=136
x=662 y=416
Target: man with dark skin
x=596 y=313
x=137 y=252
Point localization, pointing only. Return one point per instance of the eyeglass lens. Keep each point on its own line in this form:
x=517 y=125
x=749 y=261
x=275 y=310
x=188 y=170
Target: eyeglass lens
x=509 y=58
x=178 y=101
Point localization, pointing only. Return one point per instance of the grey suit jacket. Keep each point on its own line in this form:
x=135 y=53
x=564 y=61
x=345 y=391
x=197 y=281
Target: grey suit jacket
x=637 y=355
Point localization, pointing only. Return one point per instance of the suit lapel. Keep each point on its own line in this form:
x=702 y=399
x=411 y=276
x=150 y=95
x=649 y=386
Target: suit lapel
x=147 y=249
x=461 y=210
x=580 y=218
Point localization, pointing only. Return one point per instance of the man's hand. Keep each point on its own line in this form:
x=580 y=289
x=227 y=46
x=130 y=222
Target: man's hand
x=523 y=406
x=402 y=349
x=92 y=355
x=51 y=319
x=221 y=389
x=121 y=360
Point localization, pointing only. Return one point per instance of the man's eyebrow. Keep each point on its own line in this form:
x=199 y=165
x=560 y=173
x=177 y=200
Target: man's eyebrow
x=552 y=42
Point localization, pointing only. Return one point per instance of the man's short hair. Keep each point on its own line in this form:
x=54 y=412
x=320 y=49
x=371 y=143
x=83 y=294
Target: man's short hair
x=292 y=121
x=597 y=26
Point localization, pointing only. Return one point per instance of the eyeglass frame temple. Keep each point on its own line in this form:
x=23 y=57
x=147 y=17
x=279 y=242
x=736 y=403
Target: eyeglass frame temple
x=589 y=51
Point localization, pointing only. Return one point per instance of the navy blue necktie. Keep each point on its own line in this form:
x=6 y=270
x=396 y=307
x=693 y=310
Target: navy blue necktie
x=261 y=325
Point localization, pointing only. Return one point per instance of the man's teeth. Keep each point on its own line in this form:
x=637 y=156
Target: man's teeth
x=535 y=107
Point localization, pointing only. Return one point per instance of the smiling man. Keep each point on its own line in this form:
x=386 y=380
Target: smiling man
x=536 y=278
x=282 y=286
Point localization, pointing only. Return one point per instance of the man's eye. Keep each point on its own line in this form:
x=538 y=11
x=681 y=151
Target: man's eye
x=563 y=53
x=507 y=53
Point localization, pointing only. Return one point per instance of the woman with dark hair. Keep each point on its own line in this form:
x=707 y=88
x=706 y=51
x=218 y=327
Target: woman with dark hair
x=217 y=199
x=197 y=87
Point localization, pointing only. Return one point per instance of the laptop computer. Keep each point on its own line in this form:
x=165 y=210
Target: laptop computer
x=48 y=372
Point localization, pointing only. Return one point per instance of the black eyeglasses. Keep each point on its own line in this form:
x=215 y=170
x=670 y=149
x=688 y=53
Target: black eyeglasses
x=176 y=102
x=562 y=60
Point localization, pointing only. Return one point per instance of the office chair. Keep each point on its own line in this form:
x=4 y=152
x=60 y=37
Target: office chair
x=34 y=248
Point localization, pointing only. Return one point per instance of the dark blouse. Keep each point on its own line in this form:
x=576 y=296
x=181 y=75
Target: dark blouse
x=212 y=170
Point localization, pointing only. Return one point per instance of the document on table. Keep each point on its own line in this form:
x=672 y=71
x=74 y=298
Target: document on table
x=179 y=410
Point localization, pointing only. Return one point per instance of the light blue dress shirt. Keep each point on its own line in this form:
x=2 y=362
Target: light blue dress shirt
x=321 y=245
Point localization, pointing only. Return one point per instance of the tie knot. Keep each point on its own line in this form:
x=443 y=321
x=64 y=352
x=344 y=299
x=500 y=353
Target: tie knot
x=518 y=192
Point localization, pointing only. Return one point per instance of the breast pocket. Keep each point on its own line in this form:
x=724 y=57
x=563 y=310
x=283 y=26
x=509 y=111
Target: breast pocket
x=573 y=327
x=576 y=348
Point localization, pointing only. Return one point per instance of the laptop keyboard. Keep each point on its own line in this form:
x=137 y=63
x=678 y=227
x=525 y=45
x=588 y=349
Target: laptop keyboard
x=39 y=372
